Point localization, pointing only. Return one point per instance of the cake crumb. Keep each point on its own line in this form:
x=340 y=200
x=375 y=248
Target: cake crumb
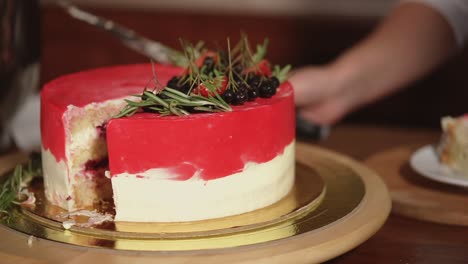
x=68 y=224
x=30 y=198
x=30 y=241
x=94 y=218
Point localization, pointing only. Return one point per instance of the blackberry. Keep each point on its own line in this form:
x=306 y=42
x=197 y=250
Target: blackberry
x=239 y=80
x=209 y=64
x=241 y=95
x=163 y=96
x=267 y=89
x=252 y=94
x=275 y=82
x=185 y=88
x=255 y=81
x=175 y=83
x=237 y=68
x=179 y=83
x=228 y=96
x=208 y=61
x=148 y=110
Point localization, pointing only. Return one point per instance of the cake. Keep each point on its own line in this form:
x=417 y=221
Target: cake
x=200 y=163
x=453 y=147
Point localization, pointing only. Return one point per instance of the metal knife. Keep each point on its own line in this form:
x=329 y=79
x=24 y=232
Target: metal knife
x=152 y=49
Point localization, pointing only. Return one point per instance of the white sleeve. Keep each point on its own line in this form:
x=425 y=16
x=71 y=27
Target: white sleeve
x=456 y=14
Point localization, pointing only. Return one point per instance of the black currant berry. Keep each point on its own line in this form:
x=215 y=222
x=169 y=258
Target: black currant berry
x=255 y=81
x=228 y=96
x=241 y=96
x=209 y=64
x=237 y=68
x=208 y=61
x=185 y=88
x=267 y=90
x=252 y=94
x=179 y=83
x=275 y=82
x=148 y=110
x=238 y=80
x=174 y=83
x=163 y=96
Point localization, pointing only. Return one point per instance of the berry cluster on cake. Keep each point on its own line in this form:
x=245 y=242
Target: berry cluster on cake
x=211 y=139
x=453 y=147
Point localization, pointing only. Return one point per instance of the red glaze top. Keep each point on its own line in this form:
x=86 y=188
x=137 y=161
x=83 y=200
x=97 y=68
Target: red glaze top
x=80 y=89
x=217 y=144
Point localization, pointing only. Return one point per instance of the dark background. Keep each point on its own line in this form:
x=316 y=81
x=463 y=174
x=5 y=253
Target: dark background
x=69 y=45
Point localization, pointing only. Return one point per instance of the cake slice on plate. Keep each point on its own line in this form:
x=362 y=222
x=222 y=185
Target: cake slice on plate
x=453 y=148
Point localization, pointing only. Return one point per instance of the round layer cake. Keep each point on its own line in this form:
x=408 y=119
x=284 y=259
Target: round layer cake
x=162 y=168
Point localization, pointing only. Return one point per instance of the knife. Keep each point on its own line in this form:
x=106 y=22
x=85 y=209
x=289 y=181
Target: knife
x=149 y=48
x=308 y=131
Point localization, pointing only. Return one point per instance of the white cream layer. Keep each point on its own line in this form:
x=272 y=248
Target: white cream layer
x=56 y=183
x=153 y=197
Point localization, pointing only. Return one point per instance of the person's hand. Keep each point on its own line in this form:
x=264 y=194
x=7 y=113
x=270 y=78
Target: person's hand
x=319 y=95
x=409 y=43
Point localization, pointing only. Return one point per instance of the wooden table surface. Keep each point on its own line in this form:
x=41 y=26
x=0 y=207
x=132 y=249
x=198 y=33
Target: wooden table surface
x=401 y=239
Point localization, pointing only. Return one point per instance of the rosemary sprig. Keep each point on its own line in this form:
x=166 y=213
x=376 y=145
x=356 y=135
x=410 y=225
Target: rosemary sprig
x=179 y=58
x=232 y=82
x=18 y=180
x=170 y=101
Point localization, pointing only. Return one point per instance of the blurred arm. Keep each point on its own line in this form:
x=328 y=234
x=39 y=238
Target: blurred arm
x=411 y=41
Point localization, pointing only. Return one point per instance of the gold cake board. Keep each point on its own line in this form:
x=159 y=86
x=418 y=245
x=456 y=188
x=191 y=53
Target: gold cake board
x=354 y=206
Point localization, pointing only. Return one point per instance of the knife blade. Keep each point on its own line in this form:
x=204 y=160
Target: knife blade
x=150 y=48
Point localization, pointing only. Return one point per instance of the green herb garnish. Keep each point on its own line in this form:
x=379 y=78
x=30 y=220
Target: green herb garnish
x=281 y=73
x=11 y=190
x=174 y=103
x=212 y=81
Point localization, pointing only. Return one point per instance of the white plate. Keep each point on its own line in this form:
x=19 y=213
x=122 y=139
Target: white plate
x=426 y=163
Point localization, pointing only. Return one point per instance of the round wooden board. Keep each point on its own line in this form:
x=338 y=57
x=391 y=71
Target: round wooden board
x=416 y=196
x=315 y=246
